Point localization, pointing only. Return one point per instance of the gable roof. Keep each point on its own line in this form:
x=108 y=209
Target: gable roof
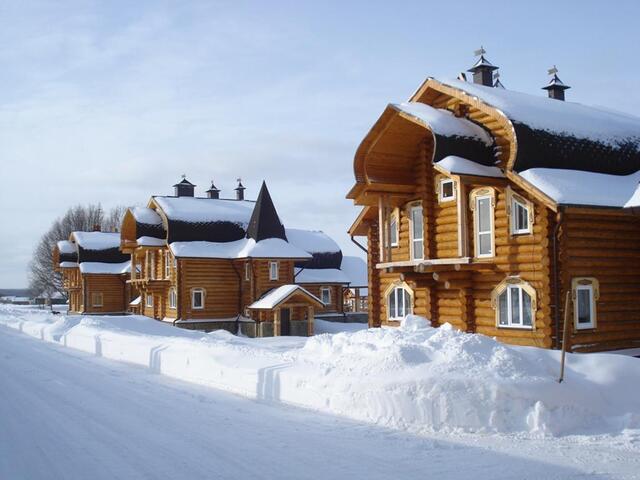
x=279 y=295
x=324 y=250
x=264 y=222
x=101 y=247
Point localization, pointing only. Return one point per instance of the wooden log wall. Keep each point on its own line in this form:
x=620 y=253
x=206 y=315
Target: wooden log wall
x=337 y=302
x=113 y=292
x=606 y=247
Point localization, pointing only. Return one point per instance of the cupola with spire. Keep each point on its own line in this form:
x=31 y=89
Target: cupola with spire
x=483 y=69
x=184 y=188
x=265 y=222
x=555 y=88
x=240 y=190
x=213 y=191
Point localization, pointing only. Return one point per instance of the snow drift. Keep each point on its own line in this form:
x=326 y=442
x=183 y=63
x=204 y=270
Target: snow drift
x=415 y=377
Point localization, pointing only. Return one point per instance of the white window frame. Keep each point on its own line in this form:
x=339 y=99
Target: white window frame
x=592 y=308
x=193 y=299
x=515 y=205
x=476 y=224
x=274 y=274
x=152 y=265
x=326 y=290
x=510 y=323
x=247 y=271
x=394 y=230
x=96 y=295
x=441 y=197
x=173 y=298
x=413 y=239
x=394 y=291
x=167 y=265
x=149 y=300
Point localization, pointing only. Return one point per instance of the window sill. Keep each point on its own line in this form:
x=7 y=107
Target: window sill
x=516 y=327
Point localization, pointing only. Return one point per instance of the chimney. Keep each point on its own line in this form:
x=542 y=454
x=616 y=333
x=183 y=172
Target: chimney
x=482 y=70
x=555 y=88
x=240 y=190
x=213 y=192
x=184 y=188
x=97 y=227
x=496 y=81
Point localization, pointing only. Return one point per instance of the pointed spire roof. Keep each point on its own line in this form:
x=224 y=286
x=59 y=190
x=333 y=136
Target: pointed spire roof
x=265 y=222
x=213 y=188
x=555 y=82
x=482 y=63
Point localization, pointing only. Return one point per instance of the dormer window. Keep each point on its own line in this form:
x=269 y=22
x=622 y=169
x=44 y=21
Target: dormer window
x=447 y=190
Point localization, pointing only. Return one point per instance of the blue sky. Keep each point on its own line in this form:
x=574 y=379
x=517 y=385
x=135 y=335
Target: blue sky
x=111 y=101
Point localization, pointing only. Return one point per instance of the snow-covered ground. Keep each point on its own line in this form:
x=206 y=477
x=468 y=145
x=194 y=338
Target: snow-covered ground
x=481 y=409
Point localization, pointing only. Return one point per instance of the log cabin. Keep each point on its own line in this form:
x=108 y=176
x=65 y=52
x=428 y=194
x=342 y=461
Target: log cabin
x=95 y=272
x=212 y=263
x=503 y=213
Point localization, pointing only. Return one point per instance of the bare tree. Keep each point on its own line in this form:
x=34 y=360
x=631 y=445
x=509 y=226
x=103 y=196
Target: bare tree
x=43 y=279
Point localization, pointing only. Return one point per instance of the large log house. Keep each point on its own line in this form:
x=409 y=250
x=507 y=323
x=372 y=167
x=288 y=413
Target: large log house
x=213 y=263
x=94 y=272
x=483 y=207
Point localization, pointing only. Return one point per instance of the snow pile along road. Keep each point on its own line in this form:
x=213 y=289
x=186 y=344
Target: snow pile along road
x=415 y=378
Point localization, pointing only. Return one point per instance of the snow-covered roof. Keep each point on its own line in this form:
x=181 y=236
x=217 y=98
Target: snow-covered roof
x=66 y=247
x=244 y=248
x=320 y=275
x=276 y=296
x=443 y=122
x=97 y=240
x=312 y=241
x=455 y=165
x=634 y=201
x=136 y=301
x=206 y=210
x=572 y=187
x=355 y=269
x=568 y=118
x=146 y=215
x=68 y=264
x=150 y=242
x=105 y=268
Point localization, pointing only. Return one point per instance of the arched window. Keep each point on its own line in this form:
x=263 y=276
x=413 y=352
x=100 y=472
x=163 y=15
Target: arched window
x=515 y=303
x=399 y=301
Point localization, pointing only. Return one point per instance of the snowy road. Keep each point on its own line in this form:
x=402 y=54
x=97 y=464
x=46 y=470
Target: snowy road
x=69 y=415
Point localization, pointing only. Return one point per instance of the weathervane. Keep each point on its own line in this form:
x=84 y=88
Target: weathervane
x=481 y=51
x=184 y=176
x=553 y=70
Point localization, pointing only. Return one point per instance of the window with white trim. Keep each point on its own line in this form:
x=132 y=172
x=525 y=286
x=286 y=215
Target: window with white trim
x=584 y=307
x=393 y=230
x=398 y=303
x=325 y=295
x=167 y=265
x=152 y=265
x=416 y=221
x=273 y=271
x=97 y=299
x=173 y=298
x=197 y=299
x=483 y=223
x=149 y=300
x=247 y=271
x=447 y=190
x=520 y=221
x=515 y=308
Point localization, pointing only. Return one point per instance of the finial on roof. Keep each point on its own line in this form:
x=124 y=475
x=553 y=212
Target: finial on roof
x=483 y=69
x=555 y=88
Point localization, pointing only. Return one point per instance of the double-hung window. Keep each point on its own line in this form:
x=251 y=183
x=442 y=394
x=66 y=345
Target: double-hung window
x=584 y=307
x=273 y=271
x=515 y=308
x=197 y=299
x=417 y=232
x=393 y=230
x=325 y=295
x=520 y=222
x=149 y=300
x=167 y=265
x=96 y=299
x=398 y=303
x=484 y=225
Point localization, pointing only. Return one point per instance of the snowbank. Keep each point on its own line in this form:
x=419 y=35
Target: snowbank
x=415 y=377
